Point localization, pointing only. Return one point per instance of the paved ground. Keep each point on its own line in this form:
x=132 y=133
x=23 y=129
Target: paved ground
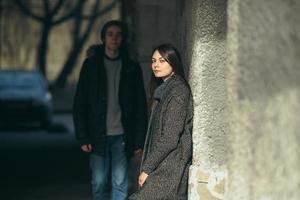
x=45 y=165
x=41 y=165
x=37 y=164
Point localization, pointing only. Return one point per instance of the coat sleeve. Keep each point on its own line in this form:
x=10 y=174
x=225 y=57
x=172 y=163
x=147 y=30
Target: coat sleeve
x=173 y=121
x=80 y=115
x=140 y=112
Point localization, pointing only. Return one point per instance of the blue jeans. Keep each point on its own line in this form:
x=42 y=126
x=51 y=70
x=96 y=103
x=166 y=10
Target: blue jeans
x=113 y=161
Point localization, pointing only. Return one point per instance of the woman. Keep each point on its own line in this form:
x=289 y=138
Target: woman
x=168 y=146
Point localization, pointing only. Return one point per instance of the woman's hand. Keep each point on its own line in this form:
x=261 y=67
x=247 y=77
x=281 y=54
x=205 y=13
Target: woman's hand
x=86 y=148
x=138 y=151
x=142 y=178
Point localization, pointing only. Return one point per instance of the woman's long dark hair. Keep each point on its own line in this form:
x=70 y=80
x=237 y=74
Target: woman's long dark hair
x=172 y=56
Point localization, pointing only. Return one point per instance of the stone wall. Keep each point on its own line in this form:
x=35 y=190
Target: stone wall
x=263 y=84
x=243 y=58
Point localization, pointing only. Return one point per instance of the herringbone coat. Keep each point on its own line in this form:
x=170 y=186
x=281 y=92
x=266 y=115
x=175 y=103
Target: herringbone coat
x=168 y=146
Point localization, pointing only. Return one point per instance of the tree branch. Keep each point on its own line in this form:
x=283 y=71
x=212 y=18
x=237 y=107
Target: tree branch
x=46 y=7
x=78 y=21
x=92 y=20
x=103 y=11
x=27 y=11
x=69 y=15
x=56 y=7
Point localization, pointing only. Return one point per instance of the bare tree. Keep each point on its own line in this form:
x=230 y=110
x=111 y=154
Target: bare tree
x=53 y=13
x=46 y=19
x=79 y=37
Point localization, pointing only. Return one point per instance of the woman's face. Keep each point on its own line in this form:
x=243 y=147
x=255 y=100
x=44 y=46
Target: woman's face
x=160 y=67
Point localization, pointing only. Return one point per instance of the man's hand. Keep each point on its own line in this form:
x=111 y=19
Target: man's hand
x=86 y=148
x=142 y=178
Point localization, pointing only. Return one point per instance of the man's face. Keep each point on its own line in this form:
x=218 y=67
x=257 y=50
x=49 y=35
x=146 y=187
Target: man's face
x=113 y=38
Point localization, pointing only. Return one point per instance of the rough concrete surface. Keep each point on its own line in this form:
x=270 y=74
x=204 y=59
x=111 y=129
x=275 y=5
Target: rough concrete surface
x=264 y=100
x=206 y=57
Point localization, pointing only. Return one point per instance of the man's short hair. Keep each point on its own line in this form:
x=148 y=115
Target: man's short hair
x=118 y=23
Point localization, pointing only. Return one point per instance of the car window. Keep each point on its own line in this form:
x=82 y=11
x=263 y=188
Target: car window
x=22 y=81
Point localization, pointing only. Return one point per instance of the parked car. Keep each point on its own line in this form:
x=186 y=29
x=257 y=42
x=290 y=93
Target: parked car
x=25 y=97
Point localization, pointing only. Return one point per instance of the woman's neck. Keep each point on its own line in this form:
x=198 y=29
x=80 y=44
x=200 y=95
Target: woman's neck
x=167 y=77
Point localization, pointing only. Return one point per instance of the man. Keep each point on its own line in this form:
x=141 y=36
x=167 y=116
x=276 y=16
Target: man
x=110 y=115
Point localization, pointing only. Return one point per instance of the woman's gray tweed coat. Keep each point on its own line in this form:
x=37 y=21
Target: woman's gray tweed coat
x=168 y=146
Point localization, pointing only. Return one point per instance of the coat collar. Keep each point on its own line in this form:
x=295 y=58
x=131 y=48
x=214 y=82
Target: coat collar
x=160 y=91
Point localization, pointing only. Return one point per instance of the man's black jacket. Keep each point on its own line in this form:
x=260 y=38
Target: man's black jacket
x=90 y=102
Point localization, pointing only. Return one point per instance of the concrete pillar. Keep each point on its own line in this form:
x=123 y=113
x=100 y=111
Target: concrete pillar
x=206 y=57
x=264 y=100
